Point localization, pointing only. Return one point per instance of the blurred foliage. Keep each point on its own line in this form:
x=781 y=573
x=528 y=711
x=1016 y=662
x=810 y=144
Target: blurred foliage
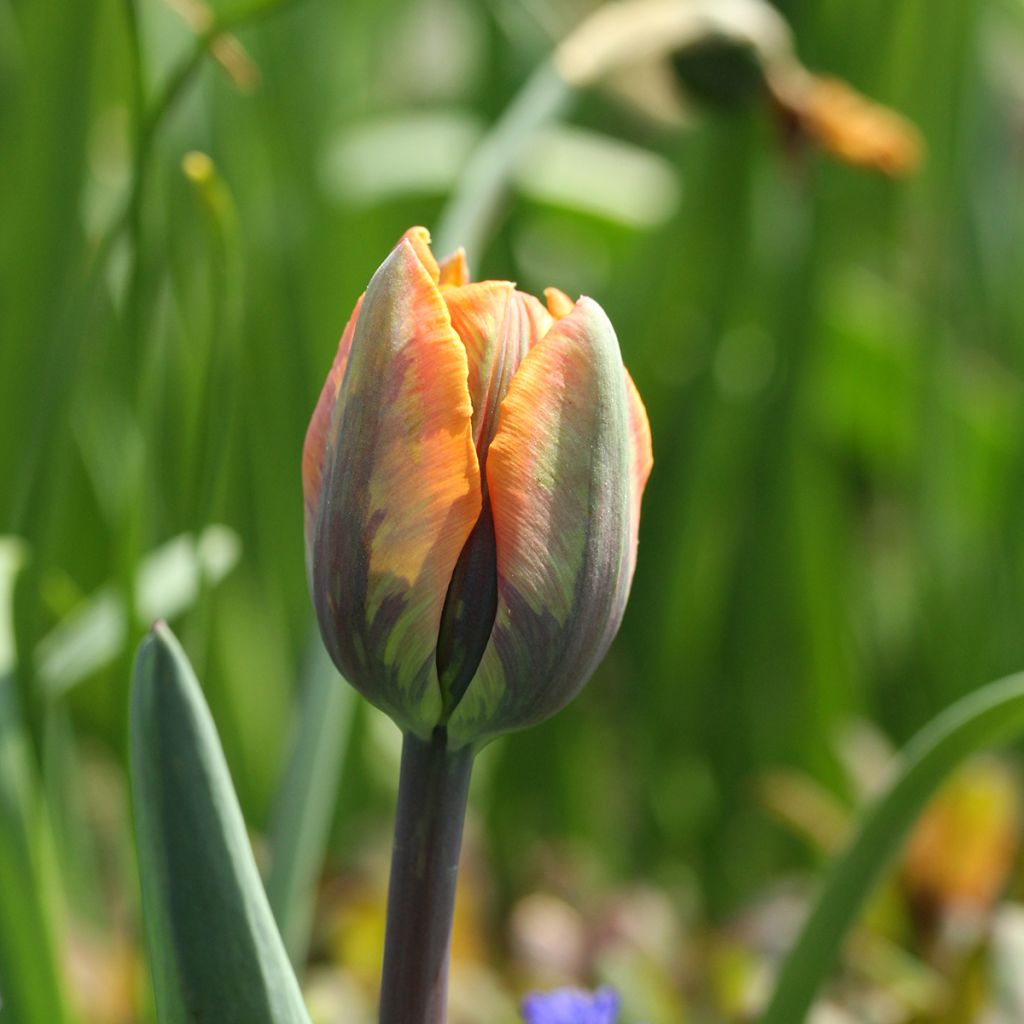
x=833 y=363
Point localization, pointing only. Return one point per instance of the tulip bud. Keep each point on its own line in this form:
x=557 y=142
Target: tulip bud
x=472 y=477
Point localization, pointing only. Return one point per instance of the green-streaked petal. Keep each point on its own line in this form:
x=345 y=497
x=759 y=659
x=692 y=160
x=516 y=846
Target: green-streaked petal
x=498 y=325
x=559 y=477
x=401 y=491
x=641 y=459
x=314 y=450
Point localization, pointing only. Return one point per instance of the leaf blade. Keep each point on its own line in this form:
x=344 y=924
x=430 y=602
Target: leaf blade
x=215 y=953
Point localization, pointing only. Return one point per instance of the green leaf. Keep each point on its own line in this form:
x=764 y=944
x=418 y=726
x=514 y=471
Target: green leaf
x=169 y=581
x=305 y=801
x=215 y=953
x=989 y=716
x=30 y=988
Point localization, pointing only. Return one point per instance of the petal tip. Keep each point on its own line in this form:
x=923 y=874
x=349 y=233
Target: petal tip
x=559 y=304
x=588 y=315
x=454 y=269
x=418 y=239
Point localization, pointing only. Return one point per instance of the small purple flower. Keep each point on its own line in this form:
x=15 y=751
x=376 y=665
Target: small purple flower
x=572 y=1006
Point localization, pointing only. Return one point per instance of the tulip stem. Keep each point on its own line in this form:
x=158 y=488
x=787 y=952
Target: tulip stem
x=432 y=792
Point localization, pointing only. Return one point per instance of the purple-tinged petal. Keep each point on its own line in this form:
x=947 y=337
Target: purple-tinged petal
x=400 y=490
x=560 y=485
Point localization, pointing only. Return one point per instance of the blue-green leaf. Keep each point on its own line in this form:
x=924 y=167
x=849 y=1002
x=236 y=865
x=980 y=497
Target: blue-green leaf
x=215 y=953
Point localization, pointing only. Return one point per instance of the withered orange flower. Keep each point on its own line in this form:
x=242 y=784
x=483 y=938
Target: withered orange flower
x=847 y=125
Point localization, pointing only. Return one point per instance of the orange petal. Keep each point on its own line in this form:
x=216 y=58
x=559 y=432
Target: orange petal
x=455 y=269
x=641 y=460
x=559 y=476
x=419 y=239
x=540 y=319
x=498 y=326
x=400 y=492
x=559 y=304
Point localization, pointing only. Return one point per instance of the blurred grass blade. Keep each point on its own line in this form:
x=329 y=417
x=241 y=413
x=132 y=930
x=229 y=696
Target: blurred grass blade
x=83 y=865
x=305 y=802
x=215 y=953
x=469 y=214
x=169 y=581
x=989 y=716
x=30 y=987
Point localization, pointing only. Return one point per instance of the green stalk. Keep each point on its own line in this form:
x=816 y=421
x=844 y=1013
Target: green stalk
x=301 y=822
x=471 y=211
x=173 y=89
x=988 y=717
x=432 y=791
x=133 y=213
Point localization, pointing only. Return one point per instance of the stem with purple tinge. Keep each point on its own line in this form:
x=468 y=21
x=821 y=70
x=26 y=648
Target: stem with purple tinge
x=432 y=791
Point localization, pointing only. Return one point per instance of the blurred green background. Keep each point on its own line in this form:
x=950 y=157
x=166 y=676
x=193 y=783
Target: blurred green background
x=832 y=361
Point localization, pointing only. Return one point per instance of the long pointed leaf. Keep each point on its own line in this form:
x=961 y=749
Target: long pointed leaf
x=991 y=715
x=215 y=953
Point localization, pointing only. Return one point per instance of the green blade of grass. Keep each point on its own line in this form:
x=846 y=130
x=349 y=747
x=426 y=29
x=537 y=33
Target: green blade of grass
x=990 y=716
x=305 y=801
x=469 y=214
x=29 y=979
x=215 y=953
x=30 y=988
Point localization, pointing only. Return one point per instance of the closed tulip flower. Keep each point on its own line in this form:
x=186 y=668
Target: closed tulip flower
x=472 y=477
